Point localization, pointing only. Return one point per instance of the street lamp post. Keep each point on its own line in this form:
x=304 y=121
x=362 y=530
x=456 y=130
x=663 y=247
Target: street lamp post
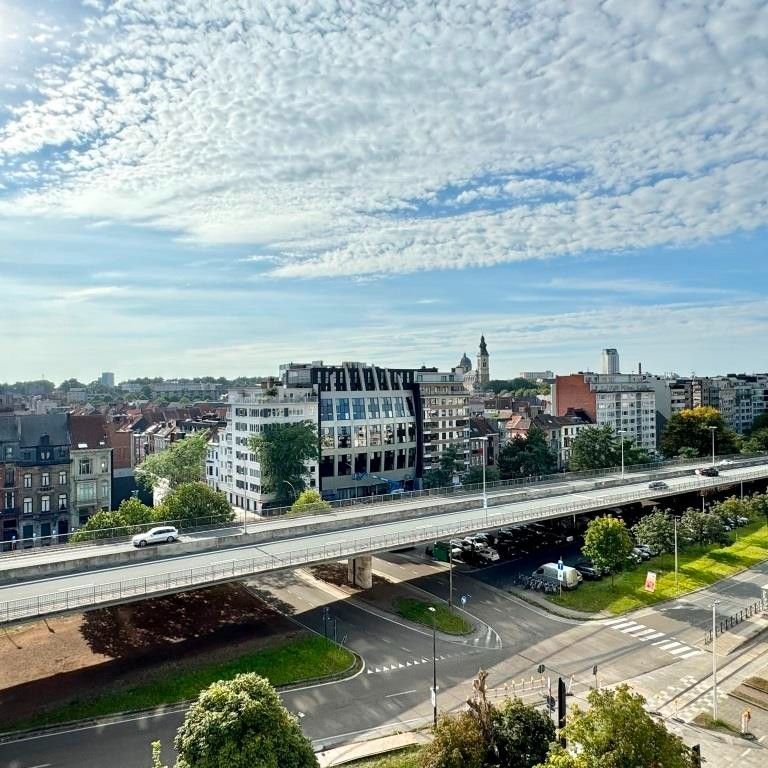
x=621 y=432
x=485 y=494
x=432 y=610
x=295 y=495
x=675 y=519
x=712 y=432
x=714 y=659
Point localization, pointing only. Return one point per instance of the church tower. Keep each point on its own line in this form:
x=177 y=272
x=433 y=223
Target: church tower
x=483 y=369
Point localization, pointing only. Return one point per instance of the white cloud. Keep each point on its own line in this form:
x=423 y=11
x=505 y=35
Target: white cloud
x=311 y=129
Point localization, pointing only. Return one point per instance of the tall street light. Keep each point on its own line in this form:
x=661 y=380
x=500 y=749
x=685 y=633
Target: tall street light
x=620 y=433
x=714 y=659
x=485 y=494
x=675 y=519
x=432 y=610
x=712 y=432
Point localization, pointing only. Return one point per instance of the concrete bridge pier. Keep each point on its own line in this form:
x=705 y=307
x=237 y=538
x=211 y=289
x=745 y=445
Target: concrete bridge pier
x=360 y=571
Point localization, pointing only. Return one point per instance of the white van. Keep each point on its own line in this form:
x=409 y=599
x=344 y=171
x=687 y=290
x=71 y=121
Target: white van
x=548 y=572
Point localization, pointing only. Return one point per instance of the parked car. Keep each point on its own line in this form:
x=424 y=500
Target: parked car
x=548 y=572
x=158 y=535
x=481 y=556
x=658 y=485
x=652 y=551
x=634 y=557
x=708 y=471
x=588 y=571
x=642 y=553
x=742 y=520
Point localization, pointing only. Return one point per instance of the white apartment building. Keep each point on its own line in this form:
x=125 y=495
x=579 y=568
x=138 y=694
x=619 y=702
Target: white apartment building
x=740 y=398
x=231 y=466
x=445 y=420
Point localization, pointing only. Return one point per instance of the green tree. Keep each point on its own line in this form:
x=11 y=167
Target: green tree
x=520 y=735
x=607 y=544
x=657 y=530
x=241 y=723
x=191 y=503
x=617 y=732
x=527 y=456
x=689 y=428
x=458 y=743
x=282 y=450
x=600 y=448
x=702 y=527
x=183 y=462
x=474 y=475
x=309 y=501
x=756 y=442
x=759 y=422
x=451 y=464
x=686 y=452
x=759 y=505
x=733 y=508
x=131 y=517
x=65 y=386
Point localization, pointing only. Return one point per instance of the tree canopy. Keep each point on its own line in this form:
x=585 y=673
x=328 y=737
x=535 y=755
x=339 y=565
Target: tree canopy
x=689 y=428
x=527 y=456
x=600 y=448
x=182 y=462
x=241 y=723
x=309 y=501
x=520 y=735
x=617 y=731
x=282 y=451
x=698 y=527
x=131 y=517
x=195 y=503
x=458 y=743
x=519 y=387
x=756 y=442
x=451 y=464
x=607 y=544
x=657 y=530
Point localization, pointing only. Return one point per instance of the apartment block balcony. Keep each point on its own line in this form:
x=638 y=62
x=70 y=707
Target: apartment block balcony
x=10 y=511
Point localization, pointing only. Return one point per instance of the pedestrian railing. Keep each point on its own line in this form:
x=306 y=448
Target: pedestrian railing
x=92 y=596
x=729 y=622
x=433 y=497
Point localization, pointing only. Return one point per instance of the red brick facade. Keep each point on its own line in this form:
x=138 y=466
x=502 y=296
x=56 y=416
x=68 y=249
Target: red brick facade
x=574 y=393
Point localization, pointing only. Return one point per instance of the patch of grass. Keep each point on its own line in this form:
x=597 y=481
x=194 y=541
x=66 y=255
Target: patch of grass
x=401 y=758
x=445 y=620
x=705 y=721
x=698 y=567
x=301 y=659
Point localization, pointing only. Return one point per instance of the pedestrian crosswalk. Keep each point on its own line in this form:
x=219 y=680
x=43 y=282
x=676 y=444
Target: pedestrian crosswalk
x=377 y=669
x=653 y=637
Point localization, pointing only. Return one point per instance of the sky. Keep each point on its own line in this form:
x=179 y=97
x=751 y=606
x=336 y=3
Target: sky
x=213 y=188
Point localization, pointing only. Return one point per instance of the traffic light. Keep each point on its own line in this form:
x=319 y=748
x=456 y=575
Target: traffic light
x=696 y=755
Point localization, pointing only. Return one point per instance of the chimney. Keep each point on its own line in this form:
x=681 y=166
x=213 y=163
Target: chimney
x=640 y=368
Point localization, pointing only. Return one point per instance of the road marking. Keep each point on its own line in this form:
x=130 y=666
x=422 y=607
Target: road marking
x=670 y=645
x=632 y=630
x=689 y=654
x=624 y=624
x=612 y=621
x=402 y=693
x=645 y=632
x=746 y=752
x=653 y=636
x=678 y=651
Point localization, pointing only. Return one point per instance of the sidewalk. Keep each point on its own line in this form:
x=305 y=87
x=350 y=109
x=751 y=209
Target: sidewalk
x=536 y=598
x=361 y=749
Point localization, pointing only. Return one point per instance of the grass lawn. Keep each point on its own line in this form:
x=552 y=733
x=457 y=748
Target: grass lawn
x=698 y=567
x=302 y=659
x=445 y=620
x=401 y=758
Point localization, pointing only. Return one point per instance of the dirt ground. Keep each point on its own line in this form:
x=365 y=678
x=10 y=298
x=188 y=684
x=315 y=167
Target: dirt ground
x=48 y=663
x=336 y=573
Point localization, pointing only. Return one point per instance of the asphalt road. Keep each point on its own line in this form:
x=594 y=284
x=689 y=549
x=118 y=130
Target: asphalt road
x=357 y=538
x=393 y=689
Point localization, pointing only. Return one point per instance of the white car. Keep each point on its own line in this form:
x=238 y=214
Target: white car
x=163 y=533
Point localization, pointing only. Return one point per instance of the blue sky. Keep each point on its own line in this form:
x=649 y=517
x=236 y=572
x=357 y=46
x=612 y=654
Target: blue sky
x=192 y=188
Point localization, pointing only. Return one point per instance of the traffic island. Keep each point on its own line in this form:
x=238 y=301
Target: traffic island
x=432 y=613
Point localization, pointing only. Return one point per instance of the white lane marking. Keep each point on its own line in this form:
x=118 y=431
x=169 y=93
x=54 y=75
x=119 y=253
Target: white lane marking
x=660 y=642
x=688 y=656
x=612 y=621
x=678 y=651
x=402 y=693
x=624 y=624
x=632 y=630
x=645 y=632
x=653 y=636
x=669 y=646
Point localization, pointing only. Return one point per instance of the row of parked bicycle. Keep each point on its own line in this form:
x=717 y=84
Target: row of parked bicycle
x=538 y=585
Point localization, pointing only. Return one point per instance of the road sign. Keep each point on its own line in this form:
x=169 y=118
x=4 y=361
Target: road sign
x=560 y=571
x=650 y=582
x=463 y=599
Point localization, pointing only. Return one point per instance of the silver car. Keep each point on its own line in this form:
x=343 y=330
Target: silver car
x=158 y=535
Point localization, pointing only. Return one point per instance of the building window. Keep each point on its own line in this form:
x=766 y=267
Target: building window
x=389 y=434
x=376 y=461
x=389 y=460
x=45 y=454
x=86 y=492
x=45 y=479
x=401 y=458
x=28 y=506
x=326 y=409
x=361 y=436
x=399 y=408
x=345 y=465
x=344 y=437
x=62 y=478
x=358 y=408
x=326 y=437
x=8 y=496
x=84 y=467
x=45 y=503
x=342 y=409
x=104 y=489
x=361 y=463
x=373 y=407
x=374 y=434
x=104 y=465
x=27 y=481
x=327 y=466
x=386 y=407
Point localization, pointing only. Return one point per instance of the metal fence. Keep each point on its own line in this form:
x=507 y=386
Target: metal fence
x=94 y=595
x=729 y=622
x=240 y=523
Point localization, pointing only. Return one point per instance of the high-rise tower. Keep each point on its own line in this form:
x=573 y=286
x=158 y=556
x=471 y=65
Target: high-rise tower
x=610 y=361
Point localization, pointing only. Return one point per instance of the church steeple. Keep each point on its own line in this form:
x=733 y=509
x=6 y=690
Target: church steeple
x=483 y=368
